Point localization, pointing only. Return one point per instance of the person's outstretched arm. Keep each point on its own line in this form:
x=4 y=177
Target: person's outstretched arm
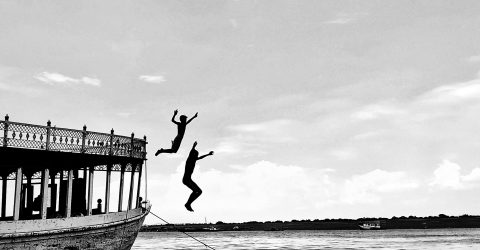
x=203 y=156
x=193 y=117
x=173 y=117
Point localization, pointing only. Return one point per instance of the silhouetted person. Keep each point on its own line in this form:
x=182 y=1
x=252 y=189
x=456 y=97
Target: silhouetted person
x=187 y=176
x=181 y=126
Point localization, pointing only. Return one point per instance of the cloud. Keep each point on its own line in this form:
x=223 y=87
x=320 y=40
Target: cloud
x=367 y=188
x=234 y=23
x=453 y=93
x=56 y=78
x=274 y=130
x=448 y=176
x=249 y=192
x=474 y=59
x=12 y=80
x=152 y=79
x=258 y=190
x=344 y=18
x=253 y=138
x=373 y=111
x=124 y=114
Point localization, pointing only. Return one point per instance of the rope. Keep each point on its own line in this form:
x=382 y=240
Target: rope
x=207 y=246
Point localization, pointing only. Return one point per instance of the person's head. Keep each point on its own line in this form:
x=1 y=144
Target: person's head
x=183 y=118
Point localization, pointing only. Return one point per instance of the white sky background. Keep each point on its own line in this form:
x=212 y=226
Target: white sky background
x=315 y=109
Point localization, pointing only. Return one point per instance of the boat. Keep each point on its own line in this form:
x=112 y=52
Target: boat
x=210 y=228
x=58 y=165
x=370 y=225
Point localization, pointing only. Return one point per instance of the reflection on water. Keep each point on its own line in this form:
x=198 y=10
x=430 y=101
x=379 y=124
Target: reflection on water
x=353 y=239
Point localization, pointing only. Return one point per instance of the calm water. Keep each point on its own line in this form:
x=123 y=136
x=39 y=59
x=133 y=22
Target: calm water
x=383 y=239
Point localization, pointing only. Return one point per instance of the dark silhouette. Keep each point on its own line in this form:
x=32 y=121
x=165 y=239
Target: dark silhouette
x=181 y=126
x=187 y=176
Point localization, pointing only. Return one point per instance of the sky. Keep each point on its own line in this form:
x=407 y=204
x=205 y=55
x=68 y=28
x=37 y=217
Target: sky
x=315 y=109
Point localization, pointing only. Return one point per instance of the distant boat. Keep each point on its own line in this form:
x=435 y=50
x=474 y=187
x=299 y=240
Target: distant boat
x=211 y=228
x=370 y=225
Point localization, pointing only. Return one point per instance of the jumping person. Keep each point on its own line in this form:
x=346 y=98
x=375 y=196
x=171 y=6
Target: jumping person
x=181 y=126
x=187 y=176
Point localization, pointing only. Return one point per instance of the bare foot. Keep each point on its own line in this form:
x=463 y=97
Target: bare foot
x=189 y=207
x=159 y=151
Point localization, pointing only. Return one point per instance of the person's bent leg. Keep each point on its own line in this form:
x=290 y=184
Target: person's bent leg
x=196 y=192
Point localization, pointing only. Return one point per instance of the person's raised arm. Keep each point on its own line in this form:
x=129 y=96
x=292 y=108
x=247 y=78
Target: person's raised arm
x=174 y=115
x=193 y=117
x=203 y=156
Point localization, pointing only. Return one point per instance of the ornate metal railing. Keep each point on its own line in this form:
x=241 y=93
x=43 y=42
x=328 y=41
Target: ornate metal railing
x=21 y=135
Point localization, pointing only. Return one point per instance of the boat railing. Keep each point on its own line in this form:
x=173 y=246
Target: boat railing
x=30 y=136
x=113 y=153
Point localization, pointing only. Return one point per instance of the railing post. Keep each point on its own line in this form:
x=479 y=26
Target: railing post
x=84 y=136
x=111 y=142
x=69 y=193
x=107 y=188
x=146 y=174
x=4 y=195
x=144 y=152
x=90 y=191
x=120 y=193
x=5 y=132
x=44 y=193
x=131 y=145
x=18 y=190
x=137 y=203
x=109 y=174
x=132 y=184
x=47 y=144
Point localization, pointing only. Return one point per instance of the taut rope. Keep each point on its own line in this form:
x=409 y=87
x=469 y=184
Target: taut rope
x=207 y=246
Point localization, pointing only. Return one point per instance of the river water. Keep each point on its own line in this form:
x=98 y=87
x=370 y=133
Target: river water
x=348 y=239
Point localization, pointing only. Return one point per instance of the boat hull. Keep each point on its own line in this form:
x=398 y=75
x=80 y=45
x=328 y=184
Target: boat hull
x=111 y=231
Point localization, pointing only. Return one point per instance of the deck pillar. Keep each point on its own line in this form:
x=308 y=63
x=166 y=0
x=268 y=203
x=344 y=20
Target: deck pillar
x=29 y=194
x=107 y=189
x=132 y=184
x=53 y=192
x=68 y=209
x=44 y=193
x=4 y=195
x=18 y=190
x=120 y=194
x=137 y=201
x=90 y=191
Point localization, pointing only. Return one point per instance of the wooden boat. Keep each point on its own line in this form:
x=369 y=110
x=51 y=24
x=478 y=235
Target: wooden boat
x=59 y=164
x=371 y=225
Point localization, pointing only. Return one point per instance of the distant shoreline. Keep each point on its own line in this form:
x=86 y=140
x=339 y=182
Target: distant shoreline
x=412 y=222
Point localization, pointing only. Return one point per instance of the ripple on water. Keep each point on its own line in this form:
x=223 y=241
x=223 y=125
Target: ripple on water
x=352 y=239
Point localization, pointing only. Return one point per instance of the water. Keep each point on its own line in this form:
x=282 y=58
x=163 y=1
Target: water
x=351 y=239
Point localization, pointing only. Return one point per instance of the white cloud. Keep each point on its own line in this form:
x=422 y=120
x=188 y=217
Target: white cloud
x=344 y=18
x=448 y=175
x=252 y=138
x=56 y=78
x=454 y=93
x=373 y=111
x=152 y=79
x=252 y=192
x=234 y=23
x=474 y=59
x=367 y=188
x=124 y=114
x=274 y=130
x=12 y=80
x=257 y=191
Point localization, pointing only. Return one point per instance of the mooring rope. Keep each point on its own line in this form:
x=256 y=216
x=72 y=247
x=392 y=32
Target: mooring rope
x=207 y=246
